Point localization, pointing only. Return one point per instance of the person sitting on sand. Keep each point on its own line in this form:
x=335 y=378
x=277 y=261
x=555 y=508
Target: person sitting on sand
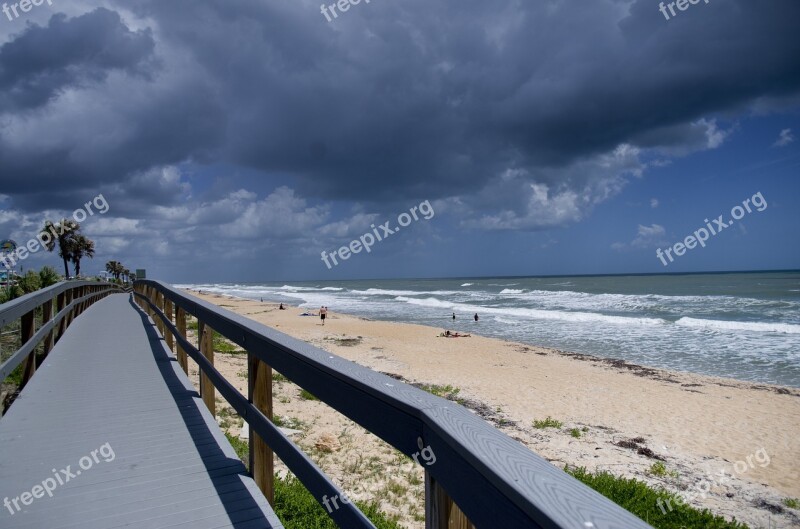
x=448 y=334
x=281 y=307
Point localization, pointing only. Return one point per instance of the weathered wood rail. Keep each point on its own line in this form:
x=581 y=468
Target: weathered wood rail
x=482 y=478
x=60 y=305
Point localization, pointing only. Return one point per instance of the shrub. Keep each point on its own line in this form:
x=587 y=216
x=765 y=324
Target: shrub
x=549 y=422
x=48 y=276
x=30 y=282
x=643 y=501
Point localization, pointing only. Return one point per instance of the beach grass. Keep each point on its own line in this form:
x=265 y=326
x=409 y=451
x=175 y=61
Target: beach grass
x=643 y=501
x=792 y=503
x=445 y=391
x=549 y=422
x=306 y=395
x=298 y=509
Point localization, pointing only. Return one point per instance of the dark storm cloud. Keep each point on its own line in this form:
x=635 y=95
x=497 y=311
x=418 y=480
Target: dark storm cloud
x=43 y=61
x=438 y=98
x=528 y=101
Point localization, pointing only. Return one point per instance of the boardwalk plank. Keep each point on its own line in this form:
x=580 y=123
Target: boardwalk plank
x=111 y=382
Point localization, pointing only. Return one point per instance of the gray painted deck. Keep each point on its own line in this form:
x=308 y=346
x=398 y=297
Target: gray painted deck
x=111 y=381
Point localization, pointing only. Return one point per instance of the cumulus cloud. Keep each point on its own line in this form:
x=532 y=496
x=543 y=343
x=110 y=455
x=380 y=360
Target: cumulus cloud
x=250 y=117
x=646 y=237
x=785 y=138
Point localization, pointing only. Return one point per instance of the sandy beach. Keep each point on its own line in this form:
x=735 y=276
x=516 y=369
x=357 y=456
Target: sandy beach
x=737 y=440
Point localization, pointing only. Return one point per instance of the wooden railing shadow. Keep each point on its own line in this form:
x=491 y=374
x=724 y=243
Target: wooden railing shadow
x=224 y=471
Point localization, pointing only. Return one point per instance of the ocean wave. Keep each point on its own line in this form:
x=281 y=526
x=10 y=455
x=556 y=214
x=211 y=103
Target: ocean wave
x=467 y=284
x=382 y=292
x=732 y=326
x=427 y=302
x=511 y=291
x=531 y=313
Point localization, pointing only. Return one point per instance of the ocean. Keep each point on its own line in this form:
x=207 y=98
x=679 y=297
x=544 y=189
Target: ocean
x=739 y=325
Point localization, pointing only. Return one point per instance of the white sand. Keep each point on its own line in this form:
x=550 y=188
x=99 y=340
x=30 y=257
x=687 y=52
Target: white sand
x=698 y=424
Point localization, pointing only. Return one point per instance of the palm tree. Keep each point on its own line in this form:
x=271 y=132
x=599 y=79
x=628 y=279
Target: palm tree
x=114 y=268
x=59 y=234
x=80 y=246
x=127 y=274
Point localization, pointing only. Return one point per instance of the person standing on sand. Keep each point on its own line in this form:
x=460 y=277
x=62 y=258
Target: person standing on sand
x=476 y=316
x=323 y=312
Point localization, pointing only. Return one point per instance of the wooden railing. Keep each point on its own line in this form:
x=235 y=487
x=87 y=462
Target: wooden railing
x=60 y=304
x=482 y=478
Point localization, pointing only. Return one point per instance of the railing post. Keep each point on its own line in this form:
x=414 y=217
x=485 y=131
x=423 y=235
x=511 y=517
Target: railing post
x=69 y=315
x=180 y=323
x=440 y=510
x=80 y=307
x=261 y=458
x=60 y=304
x=26 y=330
x=169 y=313
x=207 y=390
x=47 y=315
x=157 y=302
x=151 y=295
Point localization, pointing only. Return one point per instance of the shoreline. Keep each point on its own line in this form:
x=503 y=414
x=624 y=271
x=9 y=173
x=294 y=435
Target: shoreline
x=626 y=417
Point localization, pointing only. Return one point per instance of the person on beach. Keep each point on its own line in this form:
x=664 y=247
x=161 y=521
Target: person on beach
x=281 y=307
x=323 y=312
x=476 y=316
x=454 y=316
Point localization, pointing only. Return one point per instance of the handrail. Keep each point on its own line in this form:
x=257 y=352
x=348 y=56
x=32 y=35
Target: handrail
x=68 y=307
x=494 y=480
x=294 y=458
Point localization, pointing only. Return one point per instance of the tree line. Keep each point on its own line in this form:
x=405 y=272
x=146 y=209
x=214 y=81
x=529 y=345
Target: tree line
x=73 y=246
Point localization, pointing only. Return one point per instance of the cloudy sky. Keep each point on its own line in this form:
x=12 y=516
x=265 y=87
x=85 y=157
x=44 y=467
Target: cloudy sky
x=236 y=140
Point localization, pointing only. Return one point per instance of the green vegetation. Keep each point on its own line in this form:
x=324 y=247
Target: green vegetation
x=242 y=448
x=792 y=503
x=305 y=395
x=660 y=470
x=298 y=509
x=446 y=392
x=222 y=345
x=30 y=282
x=48 y=276
x=549 y=422
x=575 y=433
x=278 y=378
x=289 y=422
x=643 y=501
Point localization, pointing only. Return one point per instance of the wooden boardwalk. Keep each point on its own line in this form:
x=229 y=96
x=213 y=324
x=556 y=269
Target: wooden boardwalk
x=111 y=433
